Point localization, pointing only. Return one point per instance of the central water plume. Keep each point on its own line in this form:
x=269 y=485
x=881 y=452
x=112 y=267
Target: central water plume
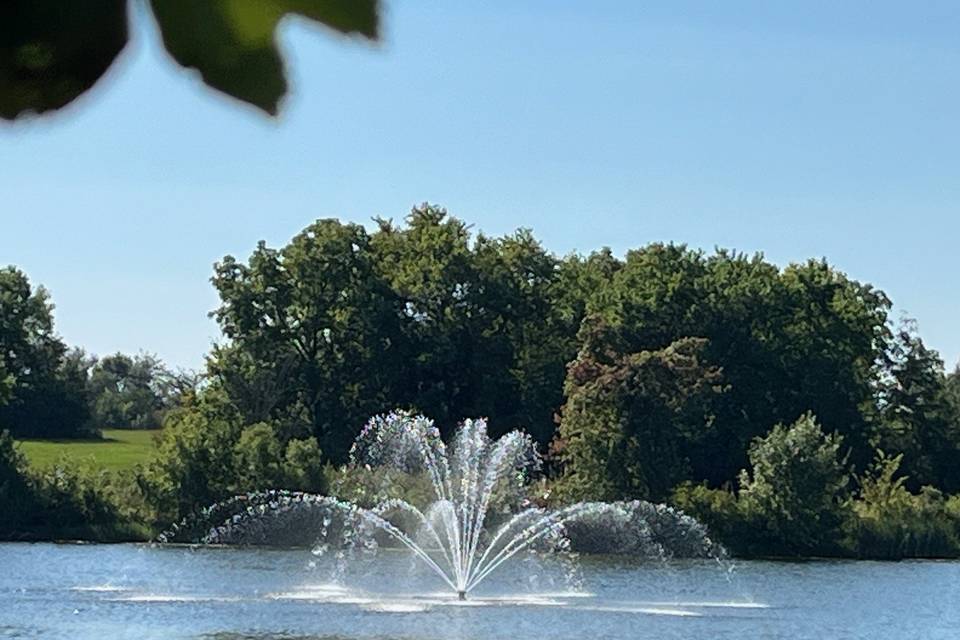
x=467 y=479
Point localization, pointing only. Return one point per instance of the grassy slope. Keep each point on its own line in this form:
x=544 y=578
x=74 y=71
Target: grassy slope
x=119 y=449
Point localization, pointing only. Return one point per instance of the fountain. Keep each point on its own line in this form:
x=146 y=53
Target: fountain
x=477 y=517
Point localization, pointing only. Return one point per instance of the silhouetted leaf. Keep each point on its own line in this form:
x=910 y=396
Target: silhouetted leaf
x=233 y=43
x=51 y=51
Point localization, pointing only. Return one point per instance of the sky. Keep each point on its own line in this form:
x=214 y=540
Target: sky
x=820 y=129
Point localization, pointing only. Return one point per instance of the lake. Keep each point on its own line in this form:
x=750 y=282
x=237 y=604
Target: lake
x=140 y=591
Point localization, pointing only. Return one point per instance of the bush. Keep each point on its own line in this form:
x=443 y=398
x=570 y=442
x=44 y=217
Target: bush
x=303 y=466
x=207 y=455
x=797 y=492
x=889 y=522
x=15 y=495
x=795 y=502
x=66 y=501
x=262 y=463
x=257 y=459
x=719 y=510
x=73 y=501
x=194 y=465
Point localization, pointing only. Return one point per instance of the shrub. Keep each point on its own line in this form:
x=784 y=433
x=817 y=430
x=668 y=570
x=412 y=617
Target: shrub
x=261 y=462
x=15 y=496
x=794 y=502
x=718 y=509
x=194 y=465
x=257 y=459
x=303 y=466
x=797 y=491
x=207 y=455
x=889 y=522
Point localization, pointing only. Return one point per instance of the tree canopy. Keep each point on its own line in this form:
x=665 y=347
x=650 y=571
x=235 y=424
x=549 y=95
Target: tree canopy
x=43 y=383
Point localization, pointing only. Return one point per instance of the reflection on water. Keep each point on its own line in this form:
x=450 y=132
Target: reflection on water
x=138 y=591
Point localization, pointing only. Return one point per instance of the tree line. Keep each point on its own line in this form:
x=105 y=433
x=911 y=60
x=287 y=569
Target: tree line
x=49 y=390
x=757 y=397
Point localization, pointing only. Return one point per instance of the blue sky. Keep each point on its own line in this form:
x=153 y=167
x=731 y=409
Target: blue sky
x=804 y=131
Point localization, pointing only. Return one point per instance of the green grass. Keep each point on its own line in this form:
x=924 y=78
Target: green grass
x=119 y=449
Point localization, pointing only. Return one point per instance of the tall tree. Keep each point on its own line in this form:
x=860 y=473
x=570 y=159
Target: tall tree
x=919 y=419
x=525 y=338
x=483 y=331
x=128 y=391
x=46 y=386
x=316 y=313
x=428 y=266
x=952 y=394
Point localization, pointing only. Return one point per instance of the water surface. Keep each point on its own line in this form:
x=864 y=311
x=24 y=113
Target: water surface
x=139 y=591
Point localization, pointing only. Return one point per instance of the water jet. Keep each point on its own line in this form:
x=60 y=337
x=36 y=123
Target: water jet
x=478 y=515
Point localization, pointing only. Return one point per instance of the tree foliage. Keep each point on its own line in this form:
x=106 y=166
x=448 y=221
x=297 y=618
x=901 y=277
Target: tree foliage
x=327 y=330
x=128 y=392
x=891 y=522
x=208 y=452
x=783 y=341
x=921 y=420
x=630 y=419
x=306 y=325
x=44 y=382
x=65 y=501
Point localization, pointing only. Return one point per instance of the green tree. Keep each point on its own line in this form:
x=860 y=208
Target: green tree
x=951 y=392
x=526 y=337
x=45 y=384
x=797 y=489
x=6 y=384
x=630 y=419
x=919 y=420
x=314 y=323
x=336 y=325
x=194 y=464
x=258 y=458
x=15 y=499
x=128 y=392
x=261 y=462
x=208 y=452
x=482 y=333
x=428 y=266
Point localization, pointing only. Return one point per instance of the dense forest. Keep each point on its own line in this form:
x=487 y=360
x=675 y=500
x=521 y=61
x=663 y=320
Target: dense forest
x=782 y=406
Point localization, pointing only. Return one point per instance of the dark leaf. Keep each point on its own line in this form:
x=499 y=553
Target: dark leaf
x=51 y=51
x=233 y=42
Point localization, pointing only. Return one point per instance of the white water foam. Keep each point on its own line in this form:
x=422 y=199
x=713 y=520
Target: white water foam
x=100 y=588
x=382 y=603
x=709 y=605
x=169 y=598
